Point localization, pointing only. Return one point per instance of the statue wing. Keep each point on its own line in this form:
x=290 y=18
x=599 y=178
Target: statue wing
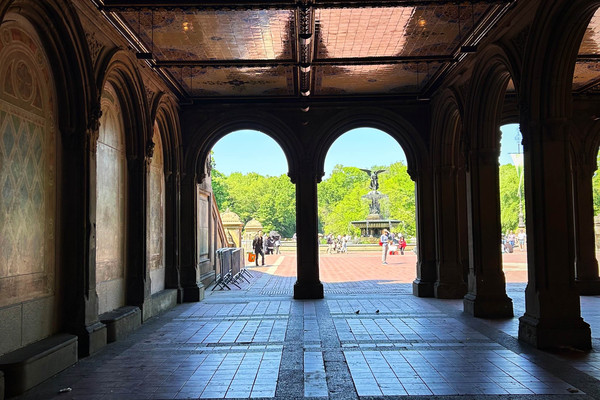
x=379 y=171
x=368 y=171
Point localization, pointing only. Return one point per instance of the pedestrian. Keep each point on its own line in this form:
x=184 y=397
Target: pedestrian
x=265 y=248
x=277 y=245
x=401 y=244
x=521 y=237
x=257 y=245
x=385 y=245
x=270 y=244
x=329 y=244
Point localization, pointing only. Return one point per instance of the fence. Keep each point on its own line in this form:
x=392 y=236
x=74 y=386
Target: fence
x=230 y=268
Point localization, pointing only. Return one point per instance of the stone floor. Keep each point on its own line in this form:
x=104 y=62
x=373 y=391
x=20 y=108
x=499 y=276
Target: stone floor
x=369 y=337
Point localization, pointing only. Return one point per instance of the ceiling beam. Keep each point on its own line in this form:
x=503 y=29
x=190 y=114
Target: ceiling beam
x=117 y=5
x=292 y=63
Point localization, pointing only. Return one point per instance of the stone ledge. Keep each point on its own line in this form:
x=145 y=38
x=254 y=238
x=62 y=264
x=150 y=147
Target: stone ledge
x=121 y=322
x=30 y=365
x=159 y=302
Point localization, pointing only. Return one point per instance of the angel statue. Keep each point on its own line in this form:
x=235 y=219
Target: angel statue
x=373 y=174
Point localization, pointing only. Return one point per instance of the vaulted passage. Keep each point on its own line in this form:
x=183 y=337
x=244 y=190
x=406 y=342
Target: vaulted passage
x=109 y=110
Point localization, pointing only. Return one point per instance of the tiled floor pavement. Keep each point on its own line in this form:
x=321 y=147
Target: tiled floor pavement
x=368 y=337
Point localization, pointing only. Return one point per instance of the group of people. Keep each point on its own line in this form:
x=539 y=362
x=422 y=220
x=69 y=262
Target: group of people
x=268 y=245
x=511 y=240
x=337 y=244
x=388 y=240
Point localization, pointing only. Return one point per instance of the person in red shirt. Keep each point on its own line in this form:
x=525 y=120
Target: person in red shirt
x=401 y=244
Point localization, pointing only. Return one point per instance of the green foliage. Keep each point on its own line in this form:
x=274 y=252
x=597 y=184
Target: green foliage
x=596 y=188
x=341 y=202
x=270 y=200
x=509 y=198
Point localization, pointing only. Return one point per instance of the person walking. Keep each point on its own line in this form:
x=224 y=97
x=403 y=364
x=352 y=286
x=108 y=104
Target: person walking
x=401 y=244
x=257 y=245
x=277 y=245
x=385 y=245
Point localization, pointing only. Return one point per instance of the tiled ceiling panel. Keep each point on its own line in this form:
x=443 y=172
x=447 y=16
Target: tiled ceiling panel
x=214 y=35
x=586 y=73
x=590 y=45
x=373 y=79
x=219 y=82
x=398 y=31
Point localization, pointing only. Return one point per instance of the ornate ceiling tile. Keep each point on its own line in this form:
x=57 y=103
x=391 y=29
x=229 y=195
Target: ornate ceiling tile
x=219 y=82
x=373 y=79
x=590 y=45
x=214 y=35
x=395 y=31
x=586 y=73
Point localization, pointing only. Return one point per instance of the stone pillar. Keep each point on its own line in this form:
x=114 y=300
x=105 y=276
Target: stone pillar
x=191 y=286
x=450 y=282
x=586 y=265
x=486 y=297
x=552 y=310
x=79 y=238
x=138 y=276
x=423 y=286
x=172 y=234
x=308 y=284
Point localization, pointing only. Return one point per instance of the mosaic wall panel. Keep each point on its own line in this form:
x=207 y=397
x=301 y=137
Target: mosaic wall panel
x=27 y=169
x=203 y=209
x=273 y=81
x=372 y=79
x=156 y=216
x=585 y=73
x=591 y=40
x=111 y=200
x=399 y=31
x=215 y=35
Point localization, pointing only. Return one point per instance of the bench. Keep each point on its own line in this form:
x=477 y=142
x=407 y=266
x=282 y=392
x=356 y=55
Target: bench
x=121 y=322
x=28 y=366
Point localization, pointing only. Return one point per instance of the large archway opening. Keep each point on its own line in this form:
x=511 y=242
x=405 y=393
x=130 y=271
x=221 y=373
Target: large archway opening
x=512 y=204
x=365 y=193
x=256 y=200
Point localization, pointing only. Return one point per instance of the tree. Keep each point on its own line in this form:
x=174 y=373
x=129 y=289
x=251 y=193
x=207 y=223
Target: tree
x=509 y=197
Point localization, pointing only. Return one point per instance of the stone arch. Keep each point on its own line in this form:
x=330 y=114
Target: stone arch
x=447 y=138
x=488 y=87
x=120 y=70
x=397 y=127
x=549 y=60
x=164 y=112
x=199 y=149
x=29 y=160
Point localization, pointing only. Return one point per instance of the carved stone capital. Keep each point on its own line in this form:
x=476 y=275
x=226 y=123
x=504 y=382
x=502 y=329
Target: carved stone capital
x=149 y=151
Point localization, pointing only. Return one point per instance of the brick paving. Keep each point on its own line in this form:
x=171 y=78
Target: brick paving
x=370 y=337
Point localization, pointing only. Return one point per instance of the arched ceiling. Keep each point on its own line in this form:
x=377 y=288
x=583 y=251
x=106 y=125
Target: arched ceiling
x=587 y=69
x=296 y=49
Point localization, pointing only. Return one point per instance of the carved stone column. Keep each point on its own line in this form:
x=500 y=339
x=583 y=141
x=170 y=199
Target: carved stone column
x=450 y=282
x=192 y=288
x=79 y=238
x=138 y=275
x=308 y=284
x=552 y=310
x=586 y=264
x=172 y=234
x=486 y=295
x=423 y=286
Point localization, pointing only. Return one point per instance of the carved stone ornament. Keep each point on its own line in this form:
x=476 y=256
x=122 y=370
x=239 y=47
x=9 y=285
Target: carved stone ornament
x=150 y=150
x=149 y=95
x=94 y=45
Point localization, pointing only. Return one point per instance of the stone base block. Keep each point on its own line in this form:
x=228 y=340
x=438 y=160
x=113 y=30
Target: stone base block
x=121 y=322
x=588 y=287
x=193 y=294
x=488 y=306
x=1 y=385
x=308 y=291
x=553 y=333
x=159 y=303
x=423 y=289
x=30 y=365
x=91 y=339
x=449 y=290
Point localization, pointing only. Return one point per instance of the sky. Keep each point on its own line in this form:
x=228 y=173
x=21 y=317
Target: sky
x=252 y=151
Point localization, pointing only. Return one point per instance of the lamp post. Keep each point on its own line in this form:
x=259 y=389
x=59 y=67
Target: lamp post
x=518 y=162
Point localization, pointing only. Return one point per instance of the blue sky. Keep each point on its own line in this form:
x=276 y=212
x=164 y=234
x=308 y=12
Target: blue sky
x=252 y=151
